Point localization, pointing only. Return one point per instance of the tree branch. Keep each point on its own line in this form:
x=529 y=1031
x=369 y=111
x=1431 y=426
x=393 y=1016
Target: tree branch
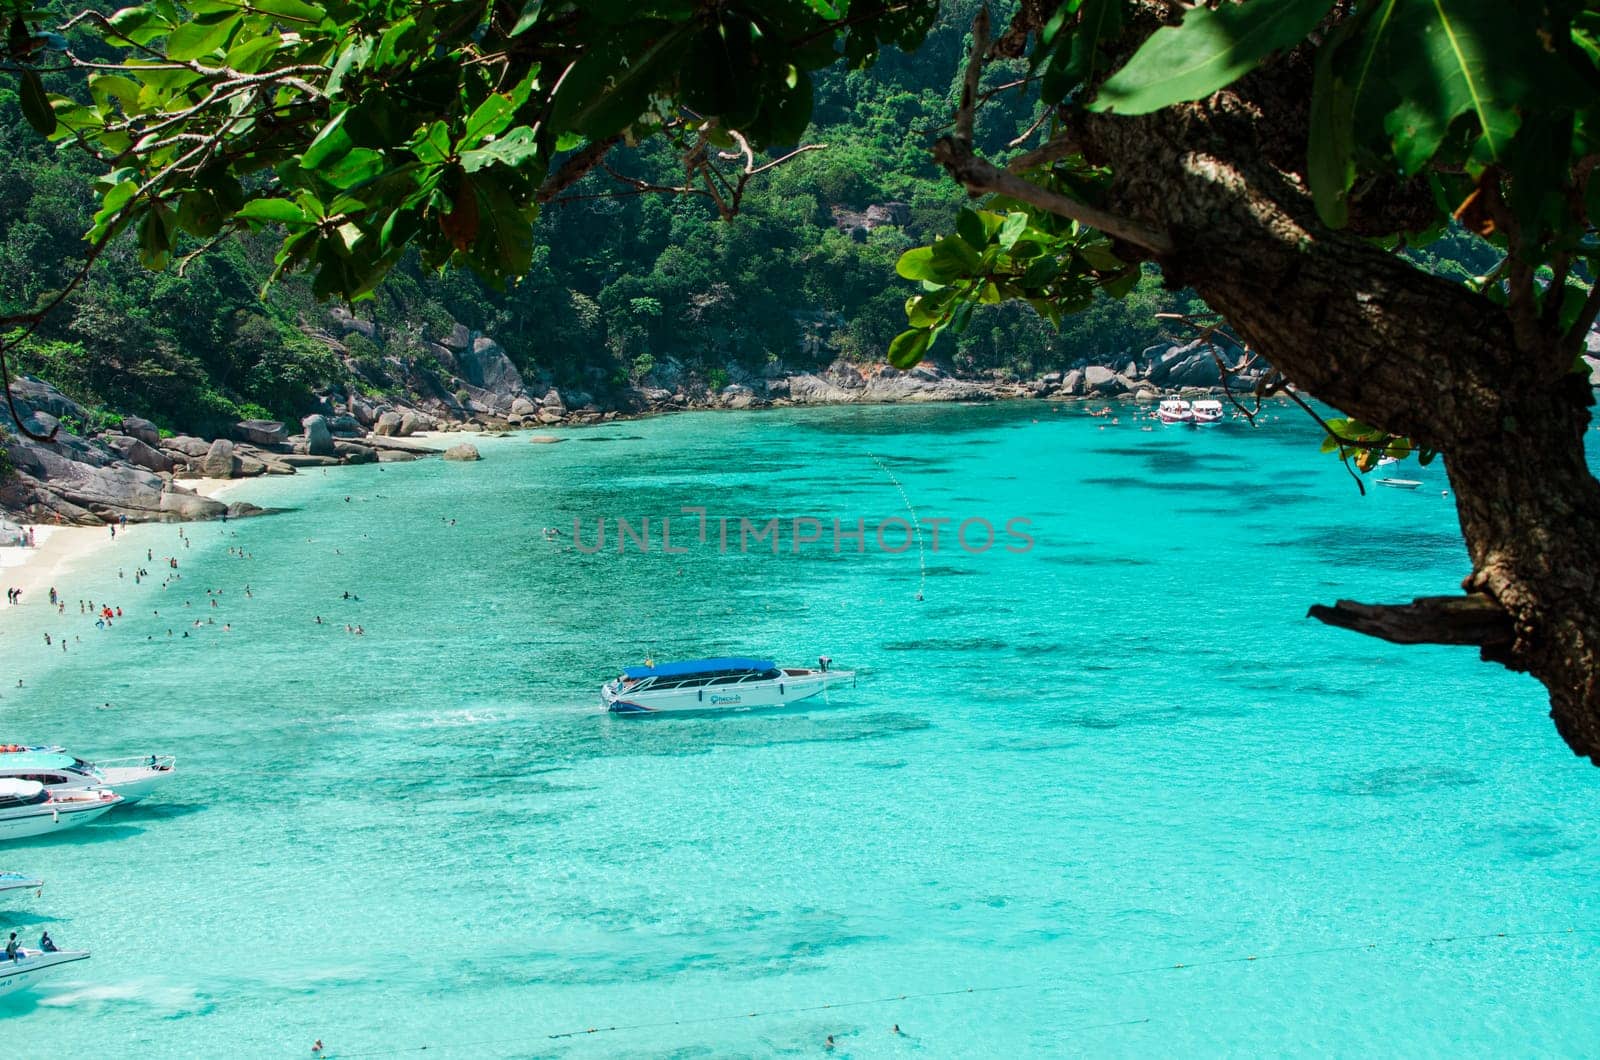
x=1473 y=619
x=577 y=165
x=980 y=177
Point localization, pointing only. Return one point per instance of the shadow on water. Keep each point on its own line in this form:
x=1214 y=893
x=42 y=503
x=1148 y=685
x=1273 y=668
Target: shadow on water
x=158 y=811
x=1404 y=780
x=970 y=644
x=80 y=836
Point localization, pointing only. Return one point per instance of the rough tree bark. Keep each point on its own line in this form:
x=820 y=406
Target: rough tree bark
x=1220 y=184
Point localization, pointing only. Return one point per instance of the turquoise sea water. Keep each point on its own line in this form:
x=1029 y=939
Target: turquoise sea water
x=1063 y=773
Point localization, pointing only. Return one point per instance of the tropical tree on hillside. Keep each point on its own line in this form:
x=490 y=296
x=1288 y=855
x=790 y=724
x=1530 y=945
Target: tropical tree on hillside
x=1282 y=158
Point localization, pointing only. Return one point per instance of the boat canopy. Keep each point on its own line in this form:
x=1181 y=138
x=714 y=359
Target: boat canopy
x=695 y=667
x=19 y=789
x=35 y=761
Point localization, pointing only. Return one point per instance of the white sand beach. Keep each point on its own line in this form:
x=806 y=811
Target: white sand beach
x=59 y=550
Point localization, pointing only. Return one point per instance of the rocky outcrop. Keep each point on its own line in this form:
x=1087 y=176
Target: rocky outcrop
x=354 y=453
x=319 y=438
x=464 y=451
x=220 y=460
x=136 y=452
x=261 y=432
x=388 y=425
x=141 y=429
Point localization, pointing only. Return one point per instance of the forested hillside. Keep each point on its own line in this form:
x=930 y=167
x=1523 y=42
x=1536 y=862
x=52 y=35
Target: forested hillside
x=621 y=279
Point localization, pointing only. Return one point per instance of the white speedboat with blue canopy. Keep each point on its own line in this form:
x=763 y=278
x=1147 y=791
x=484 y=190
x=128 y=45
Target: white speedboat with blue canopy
x=728 y=683
x=132 y=778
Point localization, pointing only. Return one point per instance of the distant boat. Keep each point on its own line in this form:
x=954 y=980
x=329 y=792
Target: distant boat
x=1175 y=410
x=27 y=810
x=1399 y=483
x=734 y=683
x=1207 y=412
x=1385 y=461
x=20 y=974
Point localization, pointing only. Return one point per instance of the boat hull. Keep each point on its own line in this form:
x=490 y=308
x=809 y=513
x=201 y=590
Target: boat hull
x=50 y=819
x=795 y=686
x=134 y=782
x=17 y=976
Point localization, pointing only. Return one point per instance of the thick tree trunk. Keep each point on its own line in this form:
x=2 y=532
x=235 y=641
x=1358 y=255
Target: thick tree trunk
x=1530 y=511
x=1374 y=336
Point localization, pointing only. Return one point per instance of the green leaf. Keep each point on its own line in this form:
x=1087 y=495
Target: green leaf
x=275 y=211
x=35 y=105
x=290 y=10
x=194 y=39
x=529 y=15
x=1011 y=231
x=1415 y=66
x=1080 y=58
x=199 y=214
x=917 y=264
x=489 y=119
x=1212 y=48
x=330 y=145
x=1330 y=154
x=970 y=227
x=512 y=149
x=908 y=347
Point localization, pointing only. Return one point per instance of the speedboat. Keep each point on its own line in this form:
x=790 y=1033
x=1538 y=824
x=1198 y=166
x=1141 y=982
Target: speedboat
x=1400 y=483
x=132 y=778
x=716 y=684
x=21 y=973
x=1175 y=410
x=19 y=881
x=1207 y=411
x=28 y=810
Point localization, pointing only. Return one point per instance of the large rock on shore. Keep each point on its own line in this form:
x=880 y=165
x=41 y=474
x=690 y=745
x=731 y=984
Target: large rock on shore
x=49 y=487
x=260 y=432
x=1098 y=379
x=319 y=439
x=186 y=445
x=137 y=453
x=387 y=425
x=220 y=460
x=354 y=453
x=142 y=429
x=294 y=460
x=485 y=366
x=464 y=451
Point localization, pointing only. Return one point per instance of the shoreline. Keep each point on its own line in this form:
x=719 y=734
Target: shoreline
x=59 y=549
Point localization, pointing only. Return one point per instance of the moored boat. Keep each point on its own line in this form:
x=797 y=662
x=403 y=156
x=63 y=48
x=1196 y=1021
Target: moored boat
x=30 y=964
x=1207 y=411
x=1400 y=483
x=1175 y=410
x=28 y=810
x=132 y=778
x=729 y=683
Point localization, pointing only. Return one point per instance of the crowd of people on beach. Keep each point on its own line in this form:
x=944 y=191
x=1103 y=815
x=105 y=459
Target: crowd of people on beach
x=106 y=615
